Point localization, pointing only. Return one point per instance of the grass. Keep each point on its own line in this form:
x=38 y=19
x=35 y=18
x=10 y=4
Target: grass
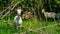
x=30 y=24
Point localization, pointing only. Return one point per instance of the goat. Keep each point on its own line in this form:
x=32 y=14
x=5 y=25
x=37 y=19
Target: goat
x=48 y=14
x=27 y=16
x=18 y=19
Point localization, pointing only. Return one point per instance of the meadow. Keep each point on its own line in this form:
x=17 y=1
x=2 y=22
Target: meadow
x=30 y=27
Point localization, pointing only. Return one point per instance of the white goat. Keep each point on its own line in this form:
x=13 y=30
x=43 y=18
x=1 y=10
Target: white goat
x=18 y=19
x=49 y=14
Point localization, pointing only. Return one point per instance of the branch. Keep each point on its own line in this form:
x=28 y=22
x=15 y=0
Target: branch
x=44 y=27
x=6 y=8
x=36 y=30
x=10 y=10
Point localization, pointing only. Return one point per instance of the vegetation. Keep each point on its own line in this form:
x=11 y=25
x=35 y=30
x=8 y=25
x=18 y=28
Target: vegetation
x=31 y=25
x=38 y=25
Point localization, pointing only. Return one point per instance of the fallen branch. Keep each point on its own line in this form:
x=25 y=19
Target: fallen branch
x=3 y=11
x=10 y=10
x=6 y=9
x=44 y=27
x=47 y=26
x=5 y=14
x=36 y=30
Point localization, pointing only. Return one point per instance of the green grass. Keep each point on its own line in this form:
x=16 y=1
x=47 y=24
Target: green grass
x=30 y=24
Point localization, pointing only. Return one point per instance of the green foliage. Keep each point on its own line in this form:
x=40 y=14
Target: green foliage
x=57 y=1
x=30 y=25
x=32 y=5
